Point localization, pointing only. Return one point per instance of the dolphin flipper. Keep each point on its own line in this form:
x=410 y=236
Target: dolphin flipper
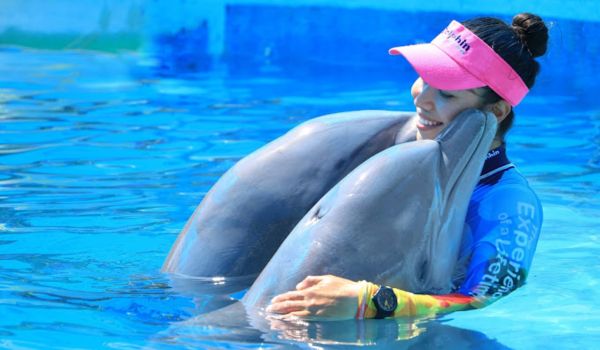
x=243 y=219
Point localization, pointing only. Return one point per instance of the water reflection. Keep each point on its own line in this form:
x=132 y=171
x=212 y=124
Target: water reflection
x=234 y=325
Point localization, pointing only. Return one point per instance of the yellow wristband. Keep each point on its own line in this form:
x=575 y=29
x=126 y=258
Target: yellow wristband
x=362 y=300
x=371 y=310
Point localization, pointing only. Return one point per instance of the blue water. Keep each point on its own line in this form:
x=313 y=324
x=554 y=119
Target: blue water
x=104 y=157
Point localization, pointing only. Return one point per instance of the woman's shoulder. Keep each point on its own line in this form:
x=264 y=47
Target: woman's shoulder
x=507 y=195
x=503 y=183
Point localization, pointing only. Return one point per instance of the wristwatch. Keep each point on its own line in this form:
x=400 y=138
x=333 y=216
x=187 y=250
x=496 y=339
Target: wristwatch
x=385 y=301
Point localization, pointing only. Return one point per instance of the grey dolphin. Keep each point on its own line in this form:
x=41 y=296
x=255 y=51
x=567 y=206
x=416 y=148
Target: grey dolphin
x=243 y=219
x=397 y=219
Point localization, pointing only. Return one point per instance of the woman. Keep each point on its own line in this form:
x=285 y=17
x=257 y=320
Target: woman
x=481 y=63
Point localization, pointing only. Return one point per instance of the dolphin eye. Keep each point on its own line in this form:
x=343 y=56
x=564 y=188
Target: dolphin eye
x=319 y=214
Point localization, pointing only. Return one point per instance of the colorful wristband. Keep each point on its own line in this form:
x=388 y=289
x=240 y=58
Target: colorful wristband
x=366 y=307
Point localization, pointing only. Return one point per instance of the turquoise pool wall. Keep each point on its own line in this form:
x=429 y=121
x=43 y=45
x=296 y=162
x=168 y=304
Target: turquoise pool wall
x=290 y=35
x=331 y=39
x=86 y=21
x=107 y=25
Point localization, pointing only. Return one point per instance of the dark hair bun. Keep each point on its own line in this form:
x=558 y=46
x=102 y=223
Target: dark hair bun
x=532 y=31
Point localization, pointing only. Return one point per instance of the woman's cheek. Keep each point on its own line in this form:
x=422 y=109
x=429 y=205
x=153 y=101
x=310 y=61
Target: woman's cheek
x=446 y=110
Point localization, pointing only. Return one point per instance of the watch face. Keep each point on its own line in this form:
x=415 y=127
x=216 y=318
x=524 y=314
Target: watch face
x=386 y=299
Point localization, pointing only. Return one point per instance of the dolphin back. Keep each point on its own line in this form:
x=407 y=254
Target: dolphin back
x=246 y=215
x=397 y=219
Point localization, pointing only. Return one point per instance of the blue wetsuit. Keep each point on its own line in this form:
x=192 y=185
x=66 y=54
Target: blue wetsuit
x=501 y=231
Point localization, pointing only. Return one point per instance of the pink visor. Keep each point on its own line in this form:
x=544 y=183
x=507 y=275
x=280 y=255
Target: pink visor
x=457 y=59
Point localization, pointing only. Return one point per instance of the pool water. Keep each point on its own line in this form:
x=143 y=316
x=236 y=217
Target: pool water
x=104 y=157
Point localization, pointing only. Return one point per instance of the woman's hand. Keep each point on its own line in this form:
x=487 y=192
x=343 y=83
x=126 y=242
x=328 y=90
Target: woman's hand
x=319 y=297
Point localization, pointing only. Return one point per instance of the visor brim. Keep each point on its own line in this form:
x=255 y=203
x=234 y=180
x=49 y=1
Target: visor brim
x=436 y=68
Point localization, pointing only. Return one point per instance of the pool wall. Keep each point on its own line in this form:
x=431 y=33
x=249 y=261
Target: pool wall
x=288 y=35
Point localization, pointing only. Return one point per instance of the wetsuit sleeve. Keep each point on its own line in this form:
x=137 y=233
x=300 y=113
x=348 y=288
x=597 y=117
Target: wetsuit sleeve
x=503 y=228
x=410 y=304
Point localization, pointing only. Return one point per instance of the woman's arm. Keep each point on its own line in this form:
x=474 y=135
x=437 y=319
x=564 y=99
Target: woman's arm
x=332 y=297
x=415 y=305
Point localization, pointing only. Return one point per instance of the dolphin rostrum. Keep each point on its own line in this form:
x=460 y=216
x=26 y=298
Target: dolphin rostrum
x=243 y=219
x=396 y=219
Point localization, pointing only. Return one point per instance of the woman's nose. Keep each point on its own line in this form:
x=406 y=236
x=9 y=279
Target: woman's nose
x=422 y=95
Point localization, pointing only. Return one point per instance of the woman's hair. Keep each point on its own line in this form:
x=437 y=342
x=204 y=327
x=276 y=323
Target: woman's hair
x=518 y=45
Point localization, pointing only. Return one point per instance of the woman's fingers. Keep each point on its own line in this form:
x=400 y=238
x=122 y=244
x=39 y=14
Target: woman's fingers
x=309 y=282
x=293 y=295
x=288 y=302
x=302 y=313
x=286 y=307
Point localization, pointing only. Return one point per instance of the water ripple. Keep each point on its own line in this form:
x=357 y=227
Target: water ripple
x=99 y=171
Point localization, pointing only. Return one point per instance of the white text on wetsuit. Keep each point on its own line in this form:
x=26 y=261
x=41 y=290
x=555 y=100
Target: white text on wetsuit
x=506 y=271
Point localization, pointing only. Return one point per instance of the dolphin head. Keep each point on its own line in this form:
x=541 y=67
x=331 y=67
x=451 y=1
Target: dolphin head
x=465 y=142
x=463 y=146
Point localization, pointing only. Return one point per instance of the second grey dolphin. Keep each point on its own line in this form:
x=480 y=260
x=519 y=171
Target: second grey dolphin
x=397 y=219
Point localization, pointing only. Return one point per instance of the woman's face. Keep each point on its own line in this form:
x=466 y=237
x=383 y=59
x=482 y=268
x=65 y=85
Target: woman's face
x=437 y=108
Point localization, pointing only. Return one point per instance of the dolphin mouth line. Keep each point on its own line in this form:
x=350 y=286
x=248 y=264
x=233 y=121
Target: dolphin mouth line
x=452 y=192
x=469 y=161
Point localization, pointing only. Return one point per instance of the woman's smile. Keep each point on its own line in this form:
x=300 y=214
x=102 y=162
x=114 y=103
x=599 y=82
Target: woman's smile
x=424 y=123
x=437 y=108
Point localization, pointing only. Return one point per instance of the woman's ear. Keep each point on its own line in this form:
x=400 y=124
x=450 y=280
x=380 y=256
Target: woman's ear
x=500 y=109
